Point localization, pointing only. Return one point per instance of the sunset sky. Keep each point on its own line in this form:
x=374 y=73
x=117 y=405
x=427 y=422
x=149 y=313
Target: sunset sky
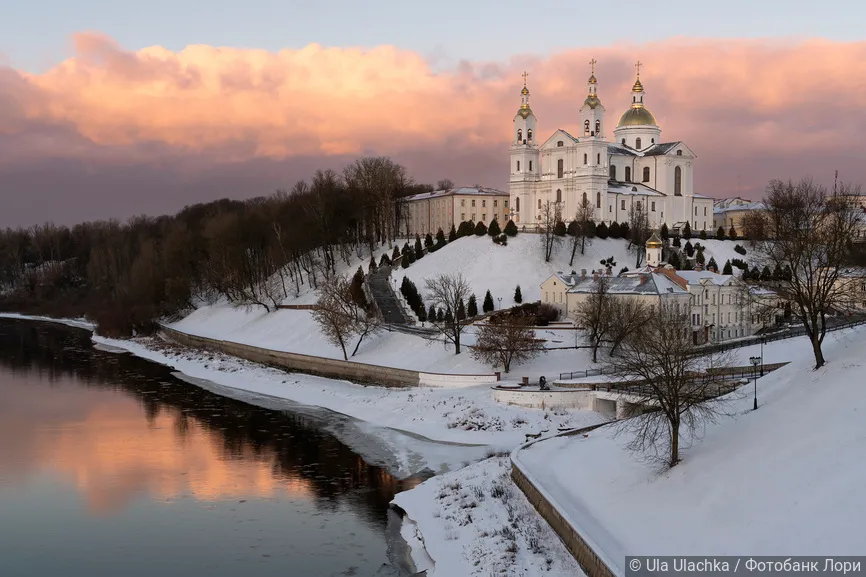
x=109 y=109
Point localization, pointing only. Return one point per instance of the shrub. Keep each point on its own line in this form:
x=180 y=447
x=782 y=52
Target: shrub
x=559 y=228
x=728 y=269
x=601 y=231
x=689 y=249
x=624 y=230
x=739 y=248
x=496 y=240
x=440 y=238
x=674 y=260
x=590 y=229
x=614 y=230
x=518 y=297
x=699 y=258
x=739 y=263
x=547 y=313
x=480 y=229
x=428 y=241
x=452 y=234
x=703 y=235
x=573 y=228
x=466 y=228
x=664 y=233
x=623 y=269
x=372 y=264
x=510 y=228
x=732 y=233
x=720 y=234
x=712 y=264
x=493 y=229
x=385 y=260
x=687 y=231
x=419 y=250
x=487 y=305
x=413 y=297
x=677 y=243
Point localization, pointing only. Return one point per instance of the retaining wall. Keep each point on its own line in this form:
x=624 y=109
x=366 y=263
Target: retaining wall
x=574 y=399
x=440 y=380
x=579 y=547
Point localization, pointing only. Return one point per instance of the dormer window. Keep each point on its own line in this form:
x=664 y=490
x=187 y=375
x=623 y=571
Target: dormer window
x=679 y=152
x=560 y=144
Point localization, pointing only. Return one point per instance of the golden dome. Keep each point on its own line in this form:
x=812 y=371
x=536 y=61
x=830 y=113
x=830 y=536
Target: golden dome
x=525 y=91
x=638 y=87
x=637 y=116
x=524 y=111
x=654 y=241
x=592 y=101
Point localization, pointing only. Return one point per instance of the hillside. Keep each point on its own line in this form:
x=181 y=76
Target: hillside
x=785 y=479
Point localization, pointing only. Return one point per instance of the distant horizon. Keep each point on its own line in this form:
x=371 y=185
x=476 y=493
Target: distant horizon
x=144 y=119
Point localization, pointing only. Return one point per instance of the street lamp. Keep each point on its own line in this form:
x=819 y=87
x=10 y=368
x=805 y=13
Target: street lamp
x=500 y=302
x=755 y=362
x=762 y=356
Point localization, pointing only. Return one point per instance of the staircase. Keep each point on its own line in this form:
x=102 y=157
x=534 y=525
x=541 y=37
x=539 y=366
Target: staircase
x=383 y=294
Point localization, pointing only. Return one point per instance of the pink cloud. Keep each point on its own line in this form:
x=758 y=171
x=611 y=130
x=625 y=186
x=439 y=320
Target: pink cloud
x=751 y=109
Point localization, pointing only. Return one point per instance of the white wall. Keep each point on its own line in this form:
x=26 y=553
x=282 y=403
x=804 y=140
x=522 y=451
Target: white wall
x=443 y=381
x=580 y=399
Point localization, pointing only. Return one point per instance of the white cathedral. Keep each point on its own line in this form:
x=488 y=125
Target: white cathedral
x=635 y=168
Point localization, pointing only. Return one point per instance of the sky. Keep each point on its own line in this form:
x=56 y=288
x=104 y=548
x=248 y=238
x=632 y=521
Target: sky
x=110 y=109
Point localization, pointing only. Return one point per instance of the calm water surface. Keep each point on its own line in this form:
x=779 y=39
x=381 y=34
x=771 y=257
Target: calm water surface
x=109 y=465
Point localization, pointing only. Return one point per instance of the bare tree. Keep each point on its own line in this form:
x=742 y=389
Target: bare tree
x=551 y=214
x=639 y=230
x=593 y=315
x=341 y=318
x=448 y=292
x=812 y=234
x=667 y=377
x=755 y=226
x=626 y=315
x=579 y=229
x=445 y=184
x=506 y=343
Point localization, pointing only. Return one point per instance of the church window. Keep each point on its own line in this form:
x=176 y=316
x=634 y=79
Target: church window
x=483 y=217
x=473 y=202
x=646 y=174
x=559 y=143
x=462 y=216
x=539 y=208
x=705 y=211
x=484 y=203
x=653 y=206
x=628 y=174
x=598 y=127
x=518 y=166
x=495 y=203
x=559 y=168
x=529 y=134
x=696 y=214
x=462 y=202
x=586 y=127
x=530 y=166
x=519 y=135
x=558 y=195
x=585 y=158
x=652 y=140
x=679 y=152
x=612 y=172
x=637 y=143
x=598 y=158
x=516 y=204
x=598 y=200
x=622 y=204
x=584 y=200
x=678 y=181
x=505 y=203
x=623 y=140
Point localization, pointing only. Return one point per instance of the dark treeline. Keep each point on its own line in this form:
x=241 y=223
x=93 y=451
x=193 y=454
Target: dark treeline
x=254 y=252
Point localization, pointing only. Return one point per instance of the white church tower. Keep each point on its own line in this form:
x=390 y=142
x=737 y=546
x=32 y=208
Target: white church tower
x=592 y=154
x=525 y=169
x=654 y=250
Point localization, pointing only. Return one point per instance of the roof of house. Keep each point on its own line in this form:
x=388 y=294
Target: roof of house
x=465 y=190
x=699 y=276
x=637 y=284
x=721 y=209
x=619 y=187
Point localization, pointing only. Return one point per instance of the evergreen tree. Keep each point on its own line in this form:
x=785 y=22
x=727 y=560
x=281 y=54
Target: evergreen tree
x=448 y=318
x=440 y=238
x=384 y=261
x=431 y=313
x=428 y=241
x=720 y=234
x=766 y=275
x=510 y=228
x=590 y=229
x=739 y=249
x=559 y=228
x=573 y=228
x=440 y=315
x=461 y=311
x=480 y=229
x=493 y=229
x=699 y=258
x=472 y=307
x=703 y=235
x=624 y=230
x=487 y=305
x=732 y=233
x=674 y=260
x=728 y=268
x=777 y=273
x=466 y=228
x=687 y=231
x=677 y=243
x=664 y=233
x=452 y=234
x=373 y=264
x=404 y=262
x=614 y=230
x=689 y=249
x=518 y=297
x=395 y=255
x=422 y=314
x=357 y=288
x=687 y=265
x=601 y=231
x=419 y=250
x=712 y=264
x=410 y=255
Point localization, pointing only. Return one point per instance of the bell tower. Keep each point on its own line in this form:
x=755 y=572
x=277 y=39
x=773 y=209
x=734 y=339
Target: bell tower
x=524 y=157
x=592 y=112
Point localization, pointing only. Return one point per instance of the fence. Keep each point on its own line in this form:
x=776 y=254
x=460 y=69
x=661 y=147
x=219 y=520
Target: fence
x=782 y=335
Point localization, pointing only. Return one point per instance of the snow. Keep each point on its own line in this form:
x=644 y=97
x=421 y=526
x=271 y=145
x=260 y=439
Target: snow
x=723 y=251
x=787 y=477
x=79 y=323
x=476 y=522
x=488 y=266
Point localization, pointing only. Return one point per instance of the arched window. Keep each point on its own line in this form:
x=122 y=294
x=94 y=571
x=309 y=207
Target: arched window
x=652 y=140
x=518 y=166
x=559 y=143
x=598 y=127
x=637 y=144
x=646 y=174
x=519 y=135
x=598 y=200
x=585 y=158
x=559 y=168
x=628 y=174
x=623 y=140
x=539 y=204
x=529 y=134
x=584 y=200
x=530 y=166
x=558 y=195
x=598 y=158
x=517 y=204
x=586 y=127
x=679 y=152
x=612 y=172
x=678 y=181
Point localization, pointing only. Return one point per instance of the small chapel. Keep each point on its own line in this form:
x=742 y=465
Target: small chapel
x=605 y=178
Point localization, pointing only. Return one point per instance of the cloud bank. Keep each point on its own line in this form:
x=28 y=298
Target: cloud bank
x=110 y=132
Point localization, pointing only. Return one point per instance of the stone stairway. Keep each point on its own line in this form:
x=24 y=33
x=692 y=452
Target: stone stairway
x=383 y=294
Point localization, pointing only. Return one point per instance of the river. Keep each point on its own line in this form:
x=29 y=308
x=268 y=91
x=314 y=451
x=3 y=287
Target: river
x=112 y=465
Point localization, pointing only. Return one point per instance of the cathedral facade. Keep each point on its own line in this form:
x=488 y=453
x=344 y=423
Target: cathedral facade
x=609 y=177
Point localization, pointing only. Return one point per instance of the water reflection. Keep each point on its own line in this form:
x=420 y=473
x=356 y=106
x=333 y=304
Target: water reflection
x=124 y=432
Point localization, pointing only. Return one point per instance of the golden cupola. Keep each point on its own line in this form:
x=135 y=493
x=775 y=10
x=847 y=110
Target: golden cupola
x=637 y=114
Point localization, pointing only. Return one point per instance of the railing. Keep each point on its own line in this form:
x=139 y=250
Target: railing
x=782 y=335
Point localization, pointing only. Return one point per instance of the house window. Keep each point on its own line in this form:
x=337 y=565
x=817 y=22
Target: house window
x=622 y=204
x=473 y=202
x=598 y=200
x=530 y=166
x=585 y=159
x=558 y=195
x=678 y=181
x=637 y=143
x=584 y=200
x=483 y=203
x=462 y=216
x=505 y=203
x=539 y=207
x=653 y=206
x=696 y=212
x=679 y=152
x=628 y=174
x=612 y=172
x=598 y=158
x=462 y=202
x=472 y=218
x=639 y=205
x=646 y=174
x=559 y=168
x=516 y=204
x=560 y=144
x=705 y=211
x=623 y=140
x=652 y=141
x=483 y=217
x=495 y=203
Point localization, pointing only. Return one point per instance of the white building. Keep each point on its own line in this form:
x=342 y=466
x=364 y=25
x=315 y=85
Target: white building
x=634 y=168
x=441 y=209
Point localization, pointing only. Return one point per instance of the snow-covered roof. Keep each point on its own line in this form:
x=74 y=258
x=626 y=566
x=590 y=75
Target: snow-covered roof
x=853 y=272
x=721 y=209
x=639 y=284
x=465 y=190
x=636 y=188
x=700 y=276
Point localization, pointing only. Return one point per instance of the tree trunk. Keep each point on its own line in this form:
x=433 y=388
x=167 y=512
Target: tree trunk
x=675 y=443
x=456 y=341
x=819 y=354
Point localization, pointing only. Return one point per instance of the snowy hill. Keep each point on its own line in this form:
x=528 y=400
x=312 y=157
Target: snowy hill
x=785 y=479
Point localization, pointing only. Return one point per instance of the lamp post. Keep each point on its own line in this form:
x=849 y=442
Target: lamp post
x=762 y=356
x=500 y=302
x=755 y=362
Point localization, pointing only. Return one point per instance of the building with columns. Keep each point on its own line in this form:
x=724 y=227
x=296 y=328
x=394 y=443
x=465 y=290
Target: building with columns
x=630 y=170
